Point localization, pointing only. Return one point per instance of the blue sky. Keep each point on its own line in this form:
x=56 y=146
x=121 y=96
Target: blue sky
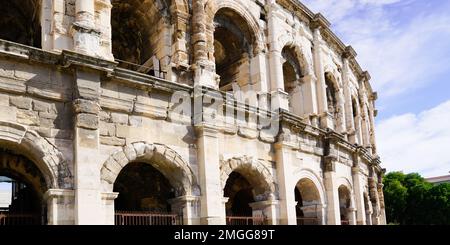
x=405 y=45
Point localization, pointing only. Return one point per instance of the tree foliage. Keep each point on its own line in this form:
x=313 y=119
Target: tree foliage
x=410 y=200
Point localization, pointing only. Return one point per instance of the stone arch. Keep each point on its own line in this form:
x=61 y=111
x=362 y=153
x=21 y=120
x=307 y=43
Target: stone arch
x=334 y=78
x=256 y=172
x=163 y=158
x=335 y=99
x=310 y=175
x=346 y=200
x=213 y=6
x=343 y=181
x=301 y=52
x=48 y=159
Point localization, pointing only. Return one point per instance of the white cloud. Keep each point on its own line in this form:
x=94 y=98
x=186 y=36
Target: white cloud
x=404 y=46
x=416 y=143
x=402 y=52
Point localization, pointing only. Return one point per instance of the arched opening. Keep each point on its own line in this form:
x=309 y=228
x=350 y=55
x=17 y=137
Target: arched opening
x=20 y=22
x=354 y=109
x=331 y=93
x=138 y=32
x=233 y=49
x=356 y=137
x=22 y=187
x=292 y=74
x=344 y=204
x=144 y=196
x=241 y=194
x=308 y=208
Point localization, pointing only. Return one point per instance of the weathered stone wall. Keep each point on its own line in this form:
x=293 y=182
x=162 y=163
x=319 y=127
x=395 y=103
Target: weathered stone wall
x=39 y=98
x=91 y=117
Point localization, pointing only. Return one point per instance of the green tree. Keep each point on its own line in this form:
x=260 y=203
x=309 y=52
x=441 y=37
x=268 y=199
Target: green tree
x=409 y=199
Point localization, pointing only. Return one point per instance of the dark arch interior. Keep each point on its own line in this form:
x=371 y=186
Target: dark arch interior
x=308 y=199
x=291 y=69
x=354 y=108
x=20 y=22
x=22 y=187
x=299 y=200
x=136 y=30
x=232 y=48
x=240 y=194
x=142 y=187
x=344 y=203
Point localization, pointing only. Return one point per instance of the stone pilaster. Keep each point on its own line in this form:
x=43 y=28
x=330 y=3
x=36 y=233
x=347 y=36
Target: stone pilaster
x=365 y=128
x=180 y=55
x=103 y=10
x=359 y=195
x=373 y=192
x=86 y=143
x=350 y=121
x=352 y=214
x=326 y=120
x=203 y=67
x=199 y=39
x=108 y=207
x=188 y=207
x=279 y=97
x=269 y=209
x=382 y=205
x=372 y=127
x=331 y=188
x=212 y=209
x=60 y=206
x=283 y=154
x=86 y=37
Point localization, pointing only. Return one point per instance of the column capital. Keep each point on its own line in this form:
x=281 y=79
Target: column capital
x=54 y=193
x=330 y=163
x=109 y=196
x=205 y=129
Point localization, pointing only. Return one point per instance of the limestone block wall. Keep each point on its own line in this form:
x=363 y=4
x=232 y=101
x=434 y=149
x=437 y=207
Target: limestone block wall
x=91 y=116
x=38 y=97
x=36 y=118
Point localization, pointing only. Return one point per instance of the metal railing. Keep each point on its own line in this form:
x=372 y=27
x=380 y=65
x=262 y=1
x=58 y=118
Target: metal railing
x=151 y=67
x=19 y=219
x=146 y=218
x=239 y=220
x=308 y=221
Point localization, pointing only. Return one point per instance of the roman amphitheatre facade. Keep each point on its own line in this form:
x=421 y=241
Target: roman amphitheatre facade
x=183 y=112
